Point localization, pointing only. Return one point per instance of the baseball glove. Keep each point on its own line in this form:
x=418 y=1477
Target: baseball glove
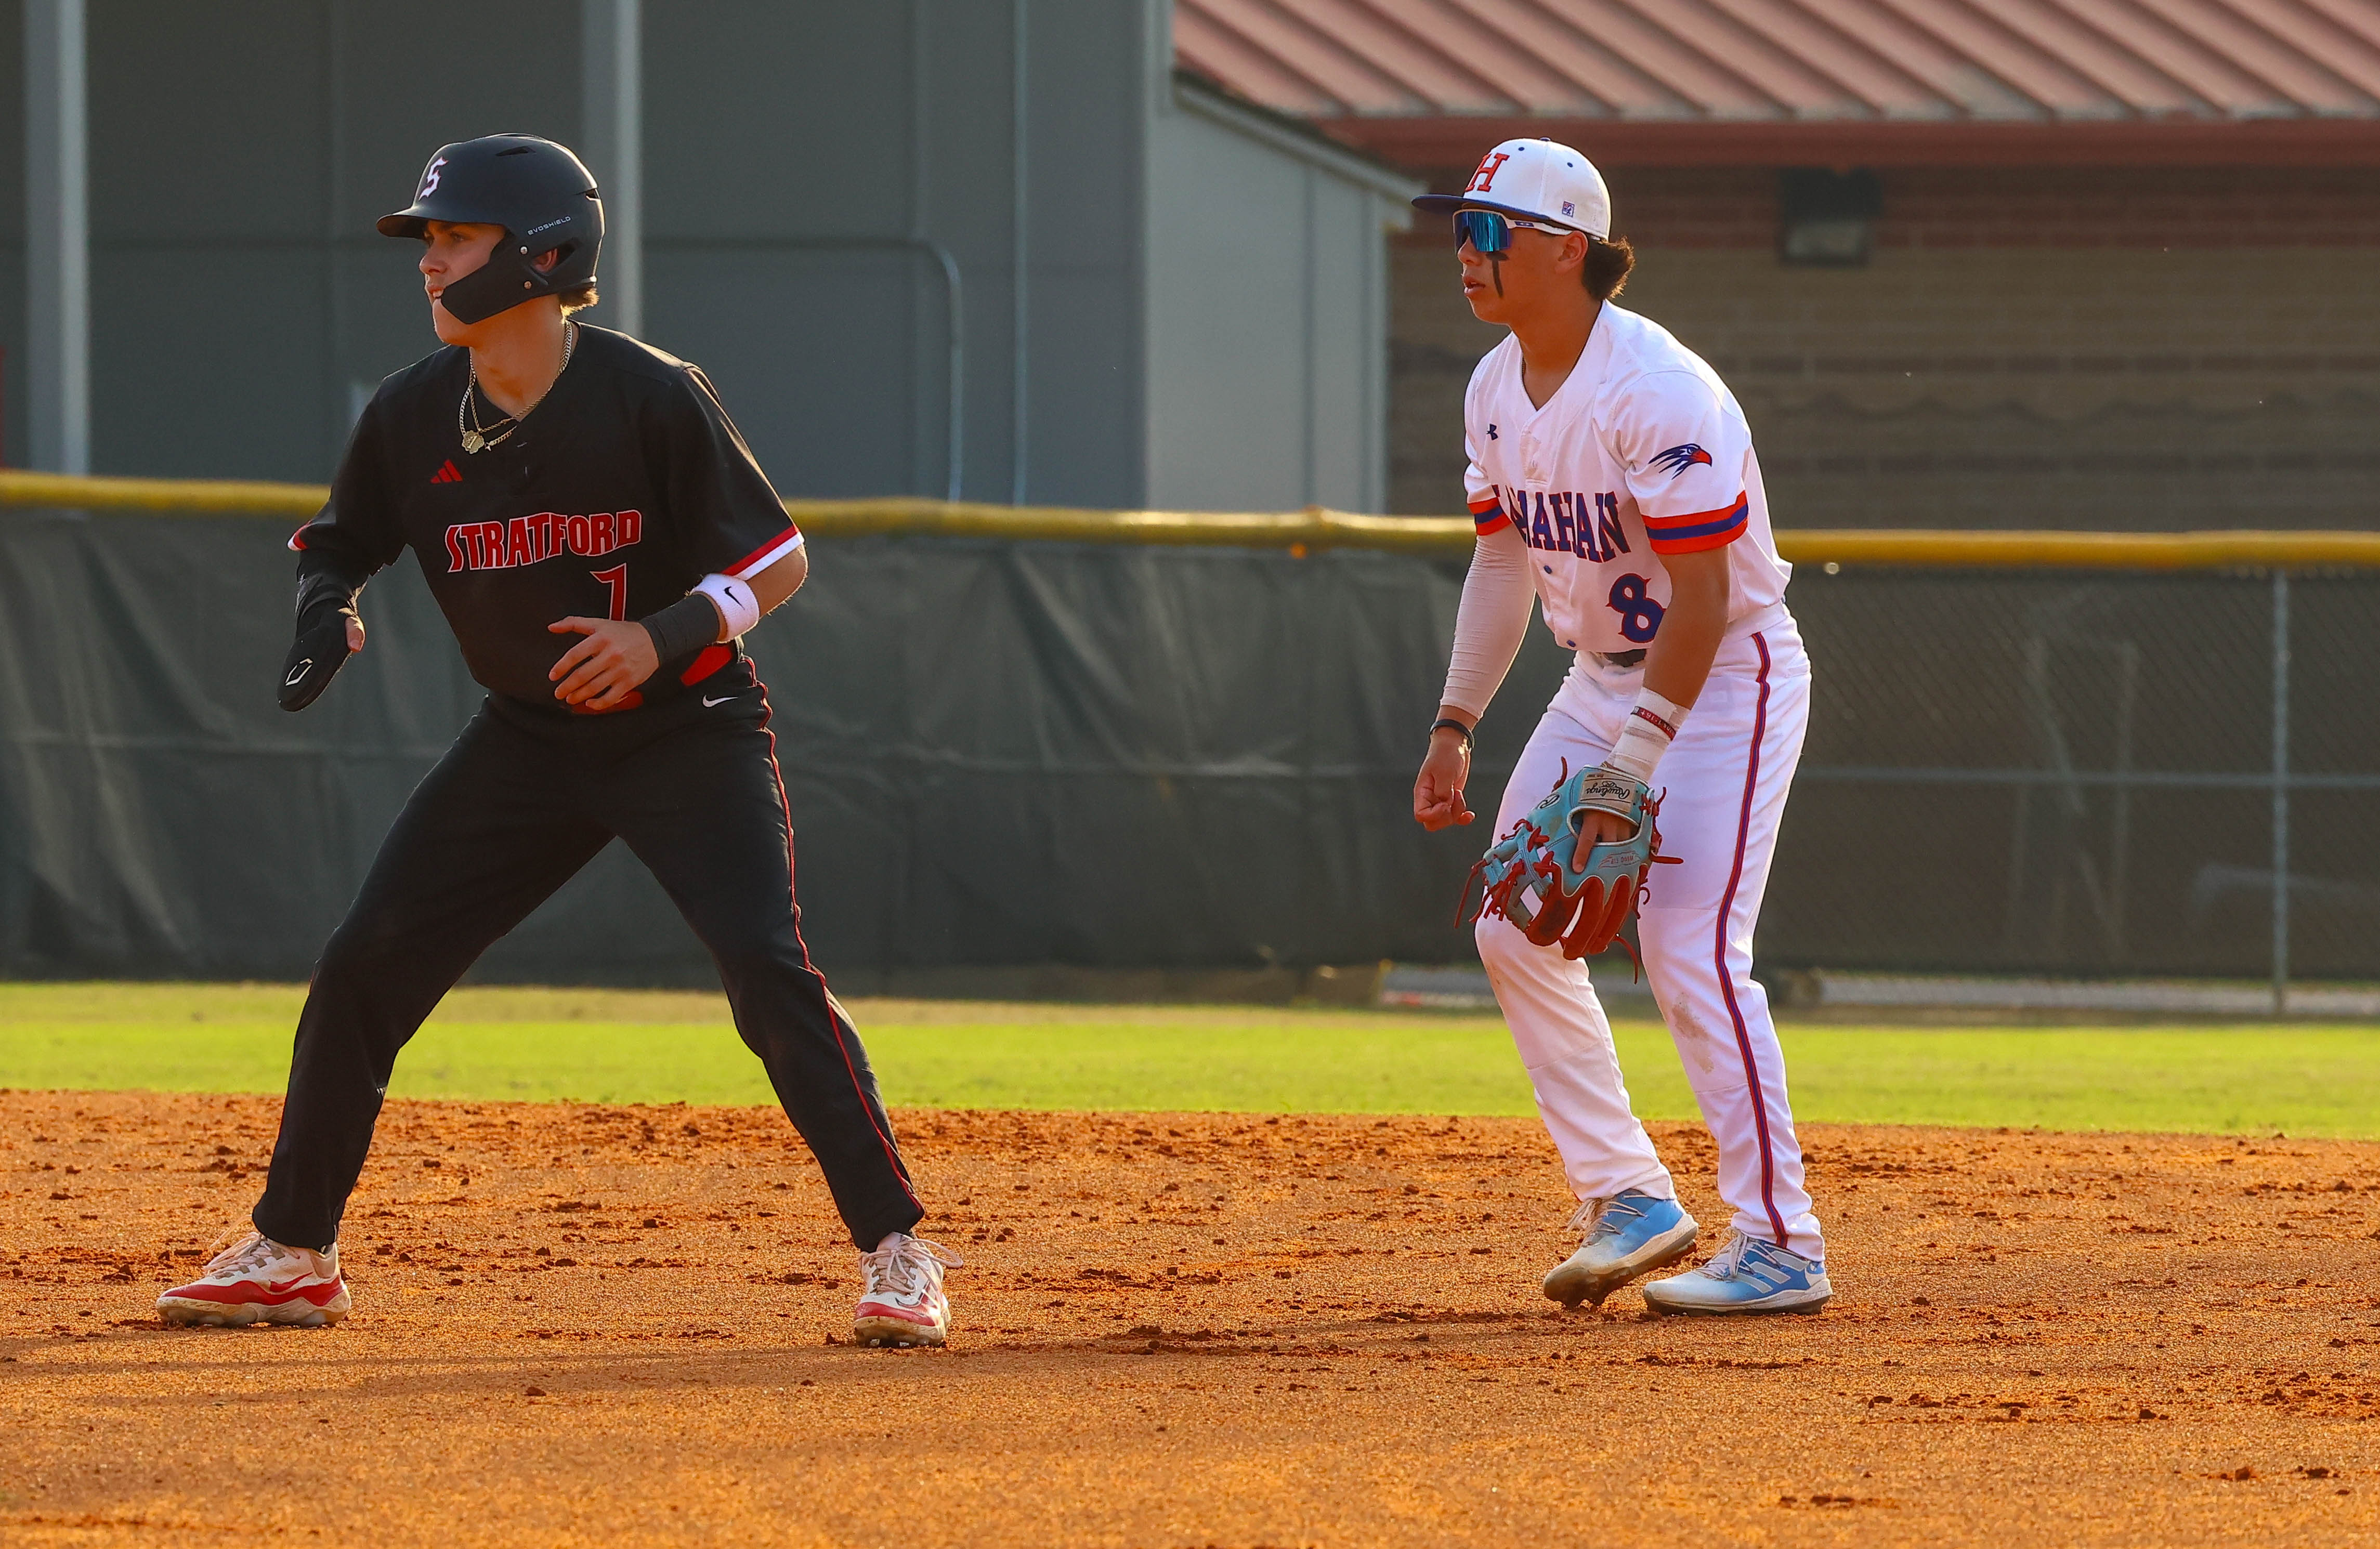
x=1535 y=878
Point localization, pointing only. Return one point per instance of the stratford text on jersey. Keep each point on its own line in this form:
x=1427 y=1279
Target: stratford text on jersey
x=530 y=539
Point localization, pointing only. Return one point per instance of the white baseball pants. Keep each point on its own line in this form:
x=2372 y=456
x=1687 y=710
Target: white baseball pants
x=1726 y=778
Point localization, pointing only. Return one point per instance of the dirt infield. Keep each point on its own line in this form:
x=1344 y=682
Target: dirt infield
x=623 y=1325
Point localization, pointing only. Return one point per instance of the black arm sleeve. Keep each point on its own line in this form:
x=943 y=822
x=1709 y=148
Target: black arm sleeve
x=355 y=535
x=728 y=517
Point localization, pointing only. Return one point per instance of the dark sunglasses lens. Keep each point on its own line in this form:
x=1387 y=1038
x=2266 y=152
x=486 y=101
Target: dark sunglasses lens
x=1484 y=229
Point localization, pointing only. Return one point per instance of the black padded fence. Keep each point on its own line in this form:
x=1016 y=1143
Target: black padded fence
x=1002 y=754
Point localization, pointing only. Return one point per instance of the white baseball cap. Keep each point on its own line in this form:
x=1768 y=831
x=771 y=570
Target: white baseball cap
x=1535 y=180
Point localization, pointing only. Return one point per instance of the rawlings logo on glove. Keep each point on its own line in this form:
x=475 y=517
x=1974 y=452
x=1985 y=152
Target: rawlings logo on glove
x=1535 y=878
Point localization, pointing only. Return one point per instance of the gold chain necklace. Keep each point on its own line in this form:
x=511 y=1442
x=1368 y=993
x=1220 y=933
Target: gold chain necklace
x=476 y=436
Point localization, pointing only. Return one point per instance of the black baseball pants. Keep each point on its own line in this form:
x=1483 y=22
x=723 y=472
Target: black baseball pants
x=517 y=806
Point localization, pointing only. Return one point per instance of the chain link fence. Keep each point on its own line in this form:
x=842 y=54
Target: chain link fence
x=2086 y=773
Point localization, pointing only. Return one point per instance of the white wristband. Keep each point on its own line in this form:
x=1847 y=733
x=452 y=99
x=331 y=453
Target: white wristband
x=736 y=603
x=1651 y=726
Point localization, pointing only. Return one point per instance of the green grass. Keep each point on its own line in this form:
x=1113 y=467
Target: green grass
x=660 y=1047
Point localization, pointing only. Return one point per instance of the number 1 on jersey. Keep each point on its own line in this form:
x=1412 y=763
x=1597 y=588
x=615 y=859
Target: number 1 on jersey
x=616 y=581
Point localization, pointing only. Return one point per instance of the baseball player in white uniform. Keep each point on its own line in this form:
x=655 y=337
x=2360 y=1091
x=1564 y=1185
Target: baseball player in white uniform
x=1612 y=479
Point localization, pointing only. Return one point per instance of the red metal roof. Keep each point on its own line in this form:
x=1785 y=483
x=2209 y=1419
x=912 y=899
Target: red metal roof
x=2284 y=80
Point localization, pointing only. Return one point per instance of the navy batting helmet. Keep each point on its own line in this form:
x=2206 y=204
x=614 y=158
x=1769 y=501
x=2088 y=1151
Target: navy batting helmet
x=542 y=195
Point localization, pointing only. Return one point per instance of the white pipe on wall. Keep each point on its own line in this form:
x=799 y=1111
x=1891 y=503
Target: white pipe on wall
x=57 y=237
x=612 y=57
x=1020 y=321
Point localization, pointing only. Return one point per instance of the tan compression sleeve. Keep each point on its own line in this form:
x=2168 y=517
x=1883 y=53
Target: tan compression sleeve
x=1491 y=621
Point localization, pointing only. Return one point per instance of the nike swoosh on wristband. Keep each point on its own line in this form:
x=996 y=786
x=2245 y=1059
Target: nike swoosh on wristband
x=707 y=701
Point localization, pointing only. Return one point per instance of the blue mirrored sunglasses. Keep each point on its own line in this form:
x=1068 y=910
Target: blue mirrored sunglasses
x=1489 y=232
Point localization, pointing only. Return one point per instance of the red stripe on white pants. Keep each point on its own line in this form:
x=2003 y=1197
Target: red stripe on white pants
x=1718 y=951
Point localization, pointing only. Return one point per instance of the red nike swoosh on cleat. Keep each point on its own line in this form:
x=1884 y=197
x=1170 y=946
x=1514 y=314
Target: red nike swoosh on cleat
x=887 y=1309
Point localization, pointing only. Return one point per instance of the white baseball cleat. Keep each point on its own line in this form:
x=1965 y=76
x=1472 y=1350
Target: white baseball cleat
x=1631 y=1233
x=901 y=1301
x=258 y=1280
x=1747 y=1276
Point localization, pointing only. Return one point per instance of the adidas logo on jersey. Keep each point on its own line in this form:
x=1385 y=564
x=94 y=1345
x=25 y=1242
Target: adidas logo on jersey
x=448 y=474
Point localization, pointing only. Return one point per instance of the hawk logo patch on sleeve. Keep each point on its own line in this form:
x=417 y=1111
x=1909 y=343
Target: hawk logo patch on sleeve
x=1677 y=459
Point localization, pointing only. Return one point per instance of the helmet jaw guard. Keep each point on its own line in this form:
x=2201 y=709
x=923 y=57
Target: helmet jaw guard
x=538 y=192
x=507 y=279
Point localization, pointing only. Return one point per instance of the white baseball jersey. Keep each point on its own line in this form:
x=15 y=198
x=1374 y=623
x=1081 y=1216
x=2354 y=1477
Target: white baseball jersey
x=1643 y=452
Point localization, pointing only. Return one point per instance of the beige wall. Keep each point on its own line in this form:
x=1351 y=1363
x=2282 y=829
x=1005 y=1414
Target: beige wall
x=1263 y=396
x=2129 y=387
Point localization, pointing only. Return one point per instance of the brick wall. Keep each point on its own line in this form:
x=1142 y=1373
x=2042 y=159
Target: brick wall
x=2002 y=207
x=2144 y=349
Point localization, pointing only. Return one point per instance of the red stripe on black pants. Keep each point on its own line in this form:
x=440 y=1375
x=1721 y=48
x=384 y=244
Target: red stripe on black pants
x=516 y=807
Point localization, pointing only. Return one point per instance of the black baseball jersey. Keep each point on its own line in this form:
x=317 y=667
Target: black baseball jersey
x=623 y=488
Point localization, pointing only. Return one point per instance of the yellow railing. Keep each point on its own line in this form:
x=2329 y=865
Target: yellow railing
x=192 y=496
x=1314 y=528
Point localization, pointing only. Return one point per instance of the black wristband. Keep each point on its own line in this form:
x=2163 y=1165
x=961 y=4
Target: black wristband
x=1450 y=724
x=683 y=628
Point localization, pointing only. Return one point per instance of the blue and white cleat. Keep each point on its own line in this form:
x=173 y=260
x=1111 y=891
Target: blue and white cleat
x=1629 y=1234
x=1747 y=1276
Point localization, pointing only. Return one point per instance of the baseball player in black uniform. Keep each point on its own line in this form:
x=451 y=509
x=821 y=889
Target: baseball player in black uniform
x=600 y=538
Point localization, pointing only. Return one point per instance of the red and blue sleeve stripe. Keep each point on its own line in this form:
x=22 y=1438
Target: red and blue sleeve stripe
x=1487 y=514
x=1696 y=530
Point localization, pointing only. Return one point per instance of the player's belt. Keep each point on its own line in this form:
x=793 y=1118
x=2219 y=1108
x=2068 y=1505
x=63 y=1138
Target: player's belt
x=1621 y=660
